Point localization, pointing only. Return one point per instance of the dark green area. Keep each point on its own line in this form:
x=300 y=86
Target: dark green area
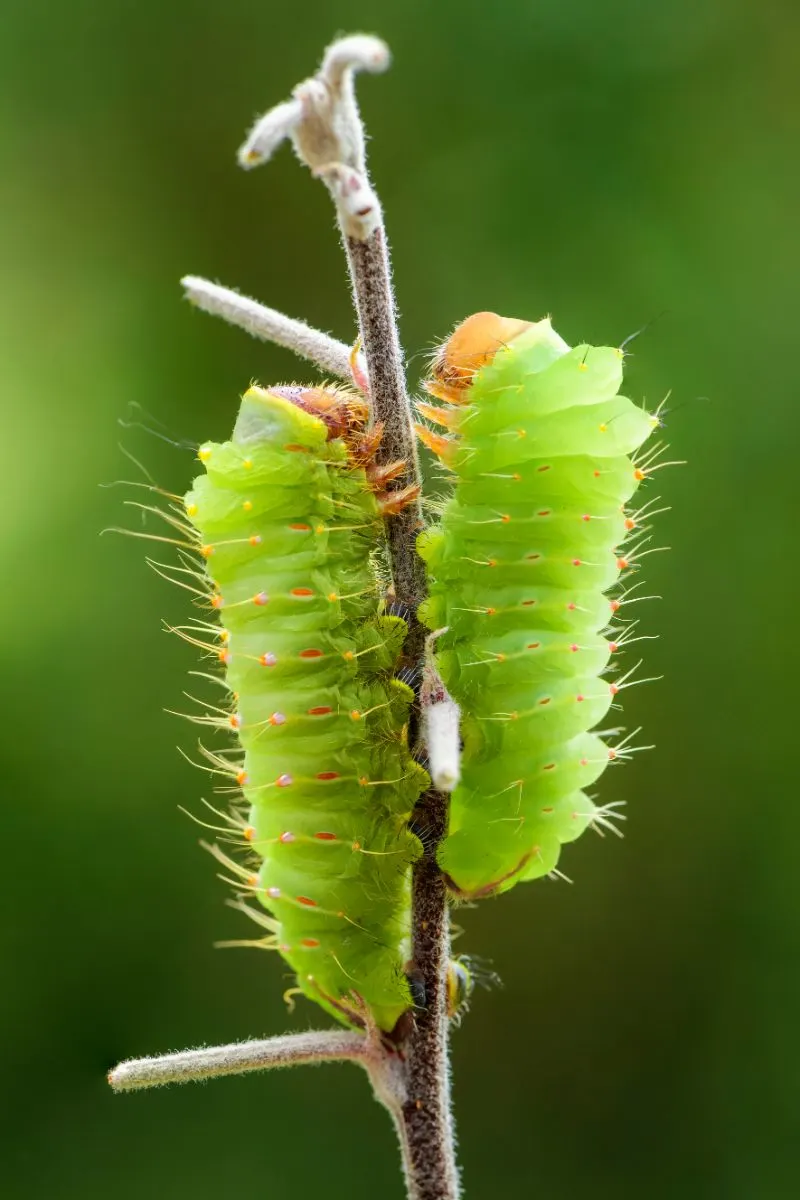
x=607 y=161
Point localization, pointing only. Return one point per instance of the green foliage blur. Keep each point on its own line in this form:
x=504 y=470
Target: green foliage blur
x=617 y=163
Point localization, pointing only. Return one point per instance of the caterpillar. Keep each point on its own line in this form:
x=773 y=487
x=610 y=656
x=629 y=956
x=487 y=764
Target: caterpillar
x=287 y=519
x=520 y=564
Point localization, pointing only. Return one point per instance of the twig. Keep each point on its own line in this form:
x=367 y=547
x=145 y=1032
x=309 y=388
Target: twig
x=236 y=1059
x=269 y=325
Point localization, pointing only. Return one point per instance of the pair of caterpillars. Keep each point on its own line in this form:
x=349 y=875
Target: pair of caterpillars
x=289 y=523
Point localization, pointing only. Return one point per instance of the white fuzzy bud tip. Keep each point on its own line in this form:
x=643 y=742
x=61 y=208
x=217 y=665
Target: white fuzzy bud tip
x=268 y=133
x=360 y=52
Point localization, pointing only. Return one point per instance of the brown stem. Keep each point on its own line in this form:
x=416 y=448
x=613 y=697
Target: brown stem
x=425 y=1125
x=427 y=1114
x=374 y=300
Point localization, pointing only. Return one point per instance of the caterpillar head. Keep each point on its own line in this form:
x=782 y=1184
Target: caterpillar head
x=343 y=411
x=472 y=346
x=344 y=415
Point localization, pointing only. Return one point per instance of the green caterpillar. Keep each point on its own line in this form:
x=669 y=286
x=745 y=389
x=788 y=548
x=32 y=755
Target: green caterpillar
x=520 y=566
x=288 y=523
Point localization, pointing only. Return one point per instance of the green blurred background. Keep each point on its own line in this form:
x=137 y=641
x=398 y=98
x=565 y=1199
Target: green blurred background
x=607 y=161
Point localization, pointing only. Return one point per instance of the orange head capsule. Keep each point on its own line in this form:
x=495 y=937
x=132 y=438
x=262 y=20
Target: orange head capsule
x=471 y=345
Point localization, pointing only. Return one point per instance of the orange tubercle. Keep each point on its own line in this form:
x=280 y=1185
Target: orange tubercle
x=392 y=503
x=443 y=447
x=448 y=417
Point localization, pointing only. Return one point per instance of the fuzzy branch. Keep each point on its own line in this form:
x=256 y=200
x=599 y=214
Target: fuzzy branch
x=269 y=325
x=189 y=1066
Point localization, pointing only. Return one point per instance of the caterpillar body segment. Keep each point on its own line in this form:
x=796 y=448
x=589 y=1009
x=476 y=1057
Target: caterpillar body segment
x=539 y=442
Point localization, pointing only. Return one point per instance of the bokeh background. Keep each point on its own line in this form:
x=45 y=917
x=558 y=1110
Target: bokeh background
x=618 y=163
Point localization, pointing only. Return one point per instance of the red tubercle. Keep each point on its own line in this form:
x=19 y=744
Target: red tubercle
x=302 y=591
x=277 y=718
x=326 y=775
x=574 y=647
x=324 y=836
x=312 y=652
x=307 y=901
x=544 y=512
x=540 y=469
x=260 y=599
x=301 y=528
x=235 y=721
x=309 y=943
x=322 y=710
x=546 y=700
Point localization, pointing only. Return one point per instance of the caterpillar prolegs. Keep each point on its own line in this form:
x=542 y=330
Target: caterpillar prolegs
x=520 y=565
x=289 y=526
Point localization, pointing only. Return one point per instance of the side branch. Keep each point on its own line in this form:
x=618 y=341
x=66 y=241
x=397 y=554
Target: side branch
x=270 y=325
x=236 y=1059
